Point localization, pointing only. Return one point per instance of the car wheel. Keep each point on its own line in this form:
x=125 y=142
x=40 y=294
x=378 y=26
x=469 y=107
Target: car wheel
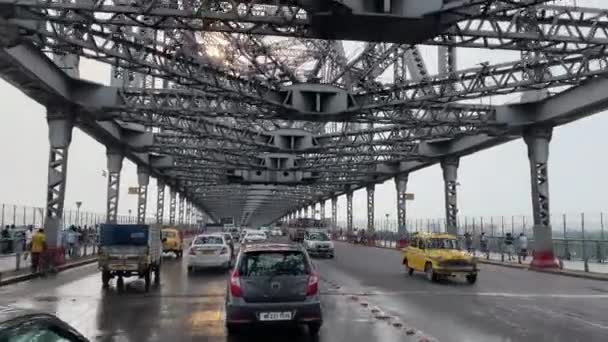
x=147 y=280
x=157 y=275
x=430 y=274
x=313 y=328
x=105 y=279
x=471 y=278
x=120 y=283
x=408 y=269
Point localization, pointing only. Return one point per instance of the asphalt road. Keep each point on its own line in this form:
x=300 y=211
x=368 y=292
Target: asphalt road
x=504 y=305
x=366 y=297
x=183 y=308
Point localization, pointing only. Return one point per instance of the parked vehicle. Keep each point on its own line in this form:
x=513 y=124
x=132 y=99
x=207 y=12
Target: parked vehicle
x=319 y=244
x=273 y=284
x=438 y=256
x=129 y=250
x=18 y=324
x=276 y=231
x=209 y=250
x=172 y=241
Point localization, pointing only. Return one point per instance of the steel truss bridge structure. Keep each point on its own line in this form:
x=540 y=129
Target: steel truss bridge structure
x=260 y=109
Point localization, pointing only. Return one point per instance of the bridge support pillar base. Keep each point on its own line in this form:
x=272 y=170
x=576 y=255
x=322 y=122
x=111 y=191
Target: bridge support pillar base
x=544 y=259
x=543 y=255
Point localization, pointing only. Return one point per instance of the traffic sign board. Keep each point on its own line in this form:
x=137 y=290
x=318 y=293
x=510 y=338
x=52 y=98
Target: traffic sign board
x=409 y=196
x=133 y=190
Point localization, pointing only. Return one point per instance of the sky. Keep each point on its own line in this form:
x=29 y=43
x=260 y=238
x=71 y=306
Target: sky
x=493 y=182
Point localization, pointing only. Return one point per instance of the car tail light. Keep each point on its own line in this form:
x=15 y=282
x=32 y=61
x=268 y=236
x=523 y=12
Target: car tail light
x=224 y=250
x=313 y=284
x=235 y=284
x=192 y=251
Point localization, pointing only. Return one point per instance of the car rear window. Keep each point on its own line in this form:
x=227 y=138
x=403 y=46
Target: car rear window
x=208 y=240
x=273 y=263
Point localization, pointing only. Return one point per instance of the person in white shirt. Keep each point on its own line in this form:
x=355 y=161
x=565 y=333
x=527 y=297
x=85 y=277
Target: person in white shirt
x=523 y=245
x=29 y=232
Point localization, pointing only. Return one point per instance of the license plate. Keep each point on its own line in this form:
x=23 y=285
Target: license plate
x=275 y=316
x=207 y=252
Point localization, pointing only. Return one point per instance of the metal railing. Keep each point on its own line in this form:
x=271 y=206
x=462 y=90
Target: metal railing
x=14 y=215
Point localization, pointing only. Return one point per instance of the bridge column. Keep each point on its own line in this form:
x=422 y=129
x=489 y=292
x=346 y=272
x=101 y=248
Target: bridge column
x=60 y=137
x=160 y=200
x=322 y=205
x=188 y=212
x=537 y=139
x=450 y=175
x=401 y=185
x=180 y=214
x=143 y=179
x=114 y=167
x=172 y=204
x=371 y=189
x=334 y=212
x=349 y=212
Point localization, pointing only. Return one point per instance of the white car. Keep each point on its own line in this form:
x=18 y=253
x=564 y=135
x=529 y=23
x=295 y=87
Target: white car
x=276 y=232
x=319 y=244
x=209 y=250
x=253 y=237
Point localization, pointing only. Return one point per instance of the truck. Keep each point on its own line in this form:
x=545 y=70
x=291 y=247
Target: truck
x=127 y=250
x=298 y=227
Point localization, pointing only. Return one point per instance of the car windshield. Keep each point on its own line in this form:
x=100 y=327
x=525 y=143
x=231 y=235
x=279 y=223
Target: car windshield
x=273 y=263
x=442 y=244
x=209 y=240
x=318 y=237
x=168 y=234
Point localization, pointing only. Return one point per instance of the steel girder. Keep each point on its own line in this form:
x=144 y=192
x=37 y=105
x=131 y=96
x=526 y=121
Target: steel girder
x=480 y=24
x=218 y=118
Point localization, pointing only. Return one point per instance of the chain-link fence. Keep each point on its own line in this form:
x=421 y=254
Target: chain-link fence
x=15 y=220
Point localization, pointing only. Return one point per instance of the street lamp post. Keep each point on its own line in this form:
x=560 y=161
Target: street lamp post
x=78 y=204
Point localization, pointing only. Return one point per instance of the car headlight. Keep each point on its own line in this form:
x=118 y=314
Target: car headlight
x=331 y=245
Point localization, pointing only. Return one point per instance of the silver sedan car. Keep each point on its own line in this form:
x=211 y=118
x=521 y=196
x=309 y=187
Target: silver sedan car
x=273 y=284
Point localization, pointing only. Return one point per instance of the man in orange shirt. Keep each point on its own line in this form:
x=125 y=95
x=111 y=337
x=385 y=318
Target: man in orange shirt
x=38 y=247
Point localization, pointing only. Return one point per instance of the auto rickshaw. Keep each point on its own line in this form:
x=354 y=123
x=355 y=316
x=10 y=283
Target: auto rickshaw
x=172 y=241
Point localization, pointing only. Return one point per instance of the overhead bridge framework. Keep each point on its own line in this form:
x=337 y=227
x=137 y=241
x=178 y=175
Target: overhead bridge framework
x=255 y=110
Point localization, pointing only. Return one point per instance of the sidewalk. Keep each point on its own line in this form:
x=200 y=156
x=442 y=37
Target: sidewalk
x=14 y=276
x=8 y=262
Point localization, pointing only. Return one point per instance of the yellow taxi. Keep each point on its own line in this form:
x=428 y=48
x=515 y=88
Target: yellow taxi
x=172 y=241
x=438 y=256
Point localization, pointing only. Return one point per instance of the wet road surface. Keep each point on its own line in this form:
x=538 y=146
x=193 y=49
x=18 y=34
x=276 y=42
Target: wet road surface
x=366 y=297
x=183 y=308
x=504 y=305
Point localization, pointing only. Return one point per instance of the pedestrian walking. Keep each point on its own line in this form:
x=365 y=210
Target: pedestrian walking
x=38 y=248
x=509 y=246
x=523 y=247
